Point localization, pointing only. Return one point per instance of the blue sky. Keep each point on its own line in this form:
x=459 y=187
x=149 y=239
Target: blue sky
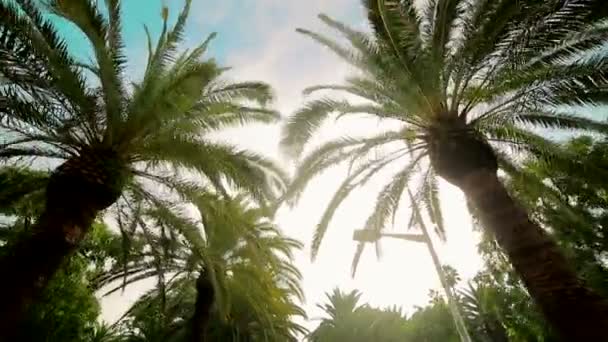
x=235 y=21
x=257 y=38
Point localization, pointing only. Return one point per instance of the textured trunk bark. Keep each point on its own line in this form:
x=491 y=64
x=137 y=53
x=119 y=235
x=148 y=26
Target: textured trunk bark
x=76 y=192
x=205 y=296
x=574 y=310
x=31 y=262
x=466 y=160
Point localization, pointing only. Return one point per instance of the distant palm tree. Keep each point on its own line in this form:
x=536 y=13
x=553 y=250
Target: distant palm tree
x=239 y=268
x=105 y=333
x=480 y=303
x=349 y=320
x=340 y=309
x=115 y=139
x=340 y=305
x=464 y=80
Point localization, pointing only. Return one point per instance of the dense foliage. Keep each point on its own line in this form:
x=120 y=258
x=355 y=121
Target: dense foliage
x=243 y=257
x=68 y=309
x=349 y=320
x=495 y=304
x=120 y=143
x=461 y=90
x=107 y=181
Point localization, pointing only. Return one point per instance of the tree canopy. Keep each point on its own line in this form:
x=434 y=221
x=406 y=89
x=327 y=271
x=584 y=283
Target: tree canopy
x=107 y=181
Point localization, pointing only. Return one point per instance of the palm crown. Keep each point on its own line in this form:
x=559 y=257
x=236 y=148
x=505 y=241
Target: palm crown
x=350 y=320
x=139 y=144
x=243 y=254
x=122 y=133
x=451 y=73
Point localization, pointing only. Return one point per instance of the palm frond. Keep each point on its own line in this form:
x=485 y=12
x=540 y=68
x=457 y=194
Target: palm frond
x=258 y=92
x=397 y=25
x=556 y=21
x=222 y=115
x=389 y=197
x=170 y=98
x=115 y=41
x=18 y=183
x=575 y=45
x=447 y=12
x=387 y=204
x=561 y=121
x=357 y=178
x=245 y=170
x=36 y=61
x=430 y=199
x=341 y=51
x=38 y=119
x=522 y=140
x=373 y=59
x=167 y=43
x=333 y=153
x=306 y=121
x=25 y=152
x=105 y=40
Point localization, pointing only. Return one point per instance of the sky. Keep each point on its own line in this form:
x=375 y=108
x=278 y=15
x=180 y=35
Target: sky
x=257 y=39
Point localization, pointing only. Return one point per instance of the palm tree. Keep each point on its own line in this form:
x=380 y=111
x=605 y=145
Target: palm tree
x=463 y=80
x=114 y=139
x=104 y=332
x=480 y=306
x=239 y=269
x=146 y=321
x=340 y=324
x=498 y=308
x=348 y=320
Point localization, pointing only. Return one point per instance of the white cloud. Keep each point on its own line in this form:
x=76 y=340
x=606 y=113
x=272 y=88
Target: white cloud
x=287 y=60
x=204 y=14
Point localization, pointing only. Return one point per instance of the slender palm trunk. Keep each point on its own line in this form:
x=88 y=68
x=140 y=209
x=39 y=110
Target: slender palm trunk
x=573 y=309
x=205 y=296
x=452 y=303
x=31 y=262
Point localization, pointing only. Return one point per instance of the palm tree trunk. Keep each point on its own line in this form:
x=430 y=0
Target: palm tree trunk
x=205 y=296
x=31 y=262
x=77 y=191
x=573 y=309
